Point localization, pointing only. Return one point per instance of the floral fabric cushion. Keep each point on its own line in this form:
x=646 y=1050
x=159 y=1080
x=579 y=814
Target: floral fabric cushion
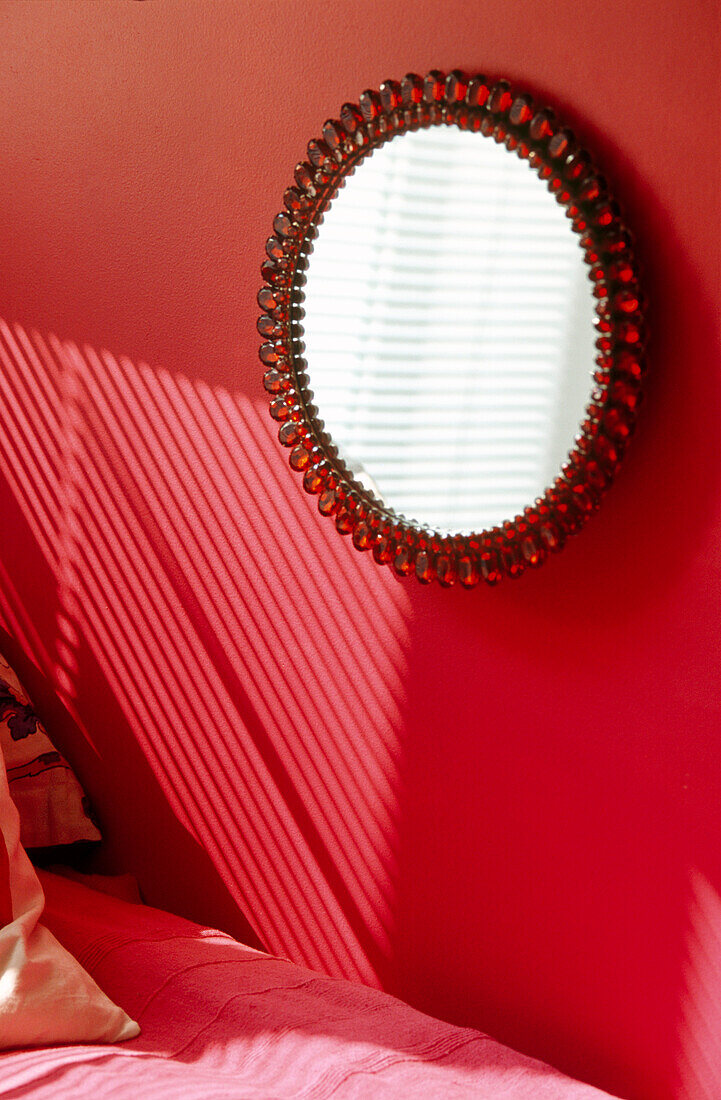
x=46 y=997
x=52 y=806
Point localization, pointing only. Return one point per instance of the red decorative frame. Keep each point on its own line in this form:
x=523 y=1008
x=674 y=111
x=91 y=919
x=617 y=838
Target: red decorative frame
x=509 y=117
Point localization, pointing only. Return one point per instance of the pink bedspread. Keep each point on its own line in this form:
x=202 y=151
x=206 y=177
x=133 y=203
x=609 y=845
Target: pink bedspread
x=221 y=1020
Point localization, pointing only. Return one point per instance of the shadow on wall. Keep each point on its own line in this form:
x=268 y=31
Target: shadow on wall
x=262 y=669
x=274 y=735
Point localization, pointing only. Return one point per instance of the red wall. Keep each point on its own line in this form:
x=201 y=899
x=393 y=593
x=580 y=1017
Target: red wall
x=503 y=804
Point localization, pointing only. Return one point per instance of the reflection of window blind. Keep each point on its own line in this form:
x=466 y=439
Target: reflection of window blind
x=449 y=328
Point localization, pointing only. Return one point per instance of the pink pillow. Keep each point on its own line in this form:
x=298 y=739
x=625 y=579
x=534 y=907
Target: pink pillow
x=46 y=997
x=49 y=799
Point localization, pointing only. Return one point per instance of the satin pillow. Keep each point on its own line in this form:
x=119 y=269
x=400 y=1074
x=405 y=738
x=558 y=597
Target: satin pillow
x=52 y=806
x=46 y=998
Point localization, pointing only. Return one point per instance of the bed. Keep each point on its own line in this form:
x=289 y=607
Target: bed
x=220 y=1020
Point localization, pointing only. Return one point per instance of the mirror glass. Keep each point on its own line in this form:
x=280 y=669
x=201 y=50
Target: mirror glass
x=449 y=329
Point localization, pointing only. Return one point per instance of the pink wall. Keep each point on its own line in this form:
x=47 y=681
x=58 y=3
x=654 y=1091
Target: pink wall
x=503 y=804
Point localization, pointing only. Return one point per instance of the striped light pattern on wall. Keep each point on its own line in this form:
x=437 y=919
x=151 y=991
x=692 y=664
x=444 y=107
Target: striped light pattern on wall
x=449 y=329
x=273 y=730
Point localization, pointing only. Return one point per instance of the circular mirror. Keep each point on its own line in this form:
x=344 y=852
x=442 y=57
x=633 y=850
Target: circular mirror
x=449 y=329
x=453 y=349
